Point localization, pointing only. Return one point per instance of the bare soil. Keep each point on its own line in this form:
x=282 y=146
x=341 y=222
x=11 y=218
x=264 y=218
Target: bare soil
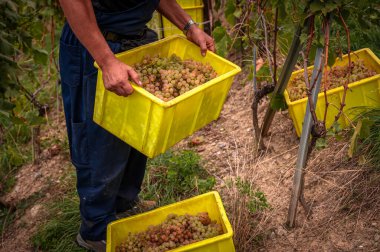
x=342 y=219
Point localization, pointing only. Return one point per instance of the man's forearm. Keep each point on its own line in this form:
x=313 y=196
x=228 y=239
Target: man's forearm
x=172 y=11
x=81 y=17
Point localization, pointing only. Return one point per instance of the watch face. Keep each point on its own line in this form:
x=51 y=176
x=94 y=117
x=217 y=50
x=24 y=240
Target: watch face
x=187 y=26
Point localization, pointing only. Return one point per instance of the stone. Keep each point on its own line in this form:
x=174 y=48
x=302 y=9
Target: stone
x=377 y=237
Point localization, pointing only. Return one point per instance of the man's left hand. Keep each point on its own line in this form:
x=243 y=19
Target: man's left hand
x=199 y=37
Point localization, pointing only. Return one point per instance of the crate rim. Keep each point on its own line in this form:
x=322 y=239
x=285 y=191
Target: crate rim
x=193 y=7
x=184 y=96
x=337 y=89
x=198 y=244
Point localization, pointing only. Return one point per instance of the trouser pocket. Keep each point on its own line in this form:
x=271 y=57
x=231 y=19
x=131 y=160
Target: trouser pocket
x=79 y=148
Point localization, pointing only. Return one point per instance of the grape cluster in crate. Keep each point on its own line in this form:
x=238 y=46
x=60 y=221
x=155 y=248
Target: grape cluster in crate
x=174 y=232
x=337 y=76
x=169 y=77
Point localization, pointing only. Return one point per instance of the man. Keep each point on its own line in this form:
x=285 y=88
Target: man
x=109 y=172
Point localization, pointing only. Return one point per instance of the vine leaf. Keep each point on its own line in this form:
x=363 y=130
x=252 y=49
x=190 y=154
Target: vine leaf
x=229 y=11
x=332 y=57
x=354 y=139
x=362 y=131
x=40 y=56
x=278 y=102
x=6 y=106
x=222 y=40
x=217 y=5
x=237 y=13
x=316 y=6
x=366 y=128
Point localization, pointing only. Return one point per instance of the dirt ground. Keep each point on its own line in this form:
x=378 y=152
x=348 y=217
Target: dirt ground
x=337 y=222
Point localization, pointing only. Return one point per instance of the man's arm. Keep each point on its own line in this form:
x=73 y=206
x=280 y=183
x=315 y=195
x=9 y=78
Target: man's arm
x=81 y=17
x=172 y=11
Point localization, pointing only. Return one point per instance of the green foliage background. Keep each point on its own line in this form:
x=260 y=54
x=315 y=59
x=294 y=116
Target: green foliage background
x=28 y=48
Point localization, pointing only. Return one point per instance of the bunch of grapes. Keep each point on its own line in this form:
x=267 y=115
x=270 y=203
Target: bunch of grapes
x=174 y=232
x=337 y=77
x=167 y=78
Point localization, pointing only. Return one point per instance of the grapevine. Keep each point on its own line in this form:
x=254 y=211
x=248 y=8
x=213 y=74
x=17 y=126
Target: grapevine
x=174 y=232
x=169 y=77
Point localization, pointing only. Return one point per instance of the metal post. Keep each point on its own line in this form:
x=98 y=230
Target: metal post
x=303 y=149
x=286 y=72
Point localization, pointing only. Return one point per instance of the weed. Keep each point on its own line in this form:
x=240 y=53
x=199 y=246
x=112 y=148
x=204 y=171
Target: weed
x=256 y=200
x=369 y=134
x=6 y=217
x=173 y=176
x=246 y=207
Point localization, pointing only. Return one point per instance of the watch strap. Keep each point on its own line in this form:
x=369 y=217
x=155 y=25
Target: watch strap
x=188 y=25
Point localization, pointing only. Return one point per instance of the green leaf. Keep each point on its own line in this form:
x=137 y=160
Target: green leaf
x=303 y=38
x=40 y=56
x=17 y=120
x=6 y=105
x=36 y=29
x=354 y=139
x=321 y=143
x=237 y=13
x=229 y=11
x=330 y=6
x=278 y=102
x=281 y=10
x=365 y=129
x=222 y=40
x=36 y=120
x=332 y=57
x=217 y=5
x=316 y=6
x=218 y=33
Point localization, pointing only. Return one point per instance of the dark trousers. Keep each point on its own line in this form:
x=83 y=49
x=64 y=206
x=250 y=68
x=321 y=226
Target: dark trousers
x=109 y=171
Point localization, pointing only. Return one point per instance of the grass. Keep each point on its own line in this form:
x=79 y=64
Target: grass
x=246 y=206
x=170 y=177
x=59 y=231
x=6 y=218
x=370 y=135
x=174 y=176
x=9 y=213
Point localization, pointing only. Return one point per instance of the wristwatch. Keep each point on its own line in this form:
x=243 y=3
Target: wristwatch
x=188 y=25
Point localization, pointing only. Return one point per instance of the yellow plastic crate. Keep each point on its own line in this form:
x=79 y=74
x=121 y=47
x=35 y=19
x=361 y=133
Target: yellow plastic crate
x=156 y=24
x=360 y=93
x=192 y=7
x=151 y=125
x=208 y=202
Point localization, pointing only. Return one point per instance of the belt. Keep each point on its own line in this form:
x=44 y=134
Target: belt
x=115 y=37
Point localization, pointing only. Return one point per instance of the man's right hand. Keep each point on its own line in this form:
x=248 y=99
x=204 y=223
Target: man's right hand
x=116 y=76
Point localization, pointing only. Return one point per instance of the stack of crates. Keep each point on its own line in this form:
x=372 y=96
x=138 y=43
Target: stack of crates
x=165 y=28
x=192 y=7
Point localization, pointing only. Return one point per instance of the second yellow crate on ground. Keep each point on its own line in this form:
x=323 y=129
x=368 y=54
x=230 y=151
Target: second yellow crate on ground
x=151 y=125
x=365 y=92
x=209 y=202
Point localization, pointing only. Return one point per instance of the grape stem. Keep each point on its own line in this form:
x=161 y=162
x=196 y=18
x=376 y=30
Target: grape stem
x=345 y=85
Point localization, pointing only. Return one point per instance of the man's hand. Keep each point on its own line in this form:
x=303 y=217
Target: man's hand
x=116 y=77
x=199 y=37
